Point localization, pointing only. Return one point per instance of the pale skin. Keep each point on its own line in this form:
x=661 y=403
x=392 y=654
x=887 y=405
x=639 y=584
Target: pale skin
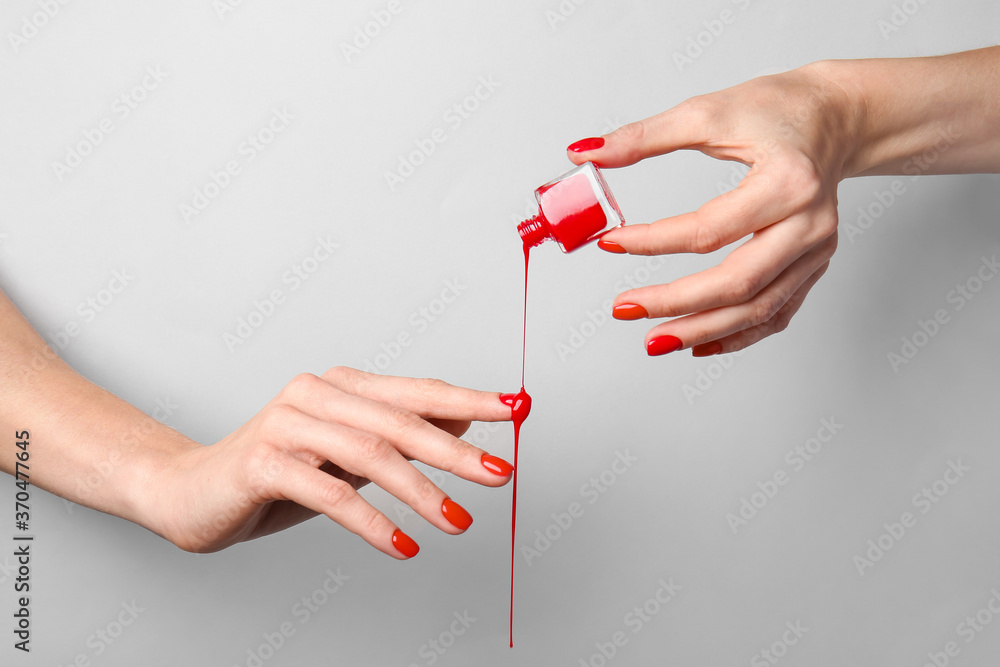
x=801 y=133
x=310 y=449
x=306 y=453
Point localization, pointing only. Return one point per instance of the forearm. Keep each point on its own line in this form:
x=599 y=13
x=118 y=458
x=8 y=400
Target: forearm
x=86 y=445
x=938 y=115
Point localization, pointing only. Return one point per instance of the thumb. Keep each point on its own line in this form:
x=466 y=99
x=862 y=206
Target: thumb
x=666 y=132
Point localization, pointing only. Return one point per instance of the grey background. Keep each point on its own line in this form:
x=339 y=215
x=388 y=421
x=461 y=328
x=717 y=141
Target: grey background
x=160 y=341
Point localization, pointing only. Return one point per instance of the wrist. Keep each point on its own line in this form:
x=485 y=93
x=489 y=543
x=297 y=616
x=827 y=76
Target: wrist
x=839 y=86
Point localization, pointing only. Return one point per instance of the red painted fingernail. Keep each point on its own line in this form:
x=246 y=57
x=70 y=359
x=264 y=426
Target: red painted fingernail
x=588 y=144
x=404 y=544
x=508 y=399
x=611 y=246
x=629 y=311
x=663 y=345
x=456 y=514
x=496 y=465
x=706 y=350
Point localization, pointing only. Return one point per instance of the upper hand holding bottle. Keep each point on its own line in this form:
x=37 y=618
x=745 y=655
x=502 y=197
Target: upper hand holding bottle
x=801 y=133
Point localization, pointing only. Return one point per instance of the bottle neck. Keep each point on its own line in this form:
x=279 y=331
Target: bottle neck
x=534 y=230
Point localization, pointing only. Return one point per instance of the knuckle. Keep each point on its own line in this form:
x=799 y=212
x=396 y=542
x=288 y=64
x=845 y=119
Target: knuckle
x=706 y=239
x=265 y=465
x=335 y=493
x=400 y=419
x=431 y=387
x=276 y=418
x=765 y=307
x=425 y=490
x=374 y=449
x=374 y=523
x=300 y=385
x=741 y=288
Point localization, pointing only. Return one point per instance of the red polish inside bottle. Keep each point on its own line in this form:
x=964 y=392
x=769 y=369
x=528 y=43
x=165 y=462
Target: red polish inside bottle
x=573 y=210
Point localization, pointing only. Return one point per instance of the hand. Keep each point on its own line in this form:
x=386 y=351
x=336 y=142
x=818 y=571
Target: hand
x=310 y=449
x=794 y=131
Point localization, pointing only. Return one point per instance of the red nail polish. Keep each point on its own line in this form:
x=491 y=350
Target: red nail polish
x=663 y=345
x=497 y=466
x=611 y=246
x=456 y=514
x=508 y=399
x=573 y=210
x=404 y=544
x=629 y=311
x=706 y=350
x=588 y=144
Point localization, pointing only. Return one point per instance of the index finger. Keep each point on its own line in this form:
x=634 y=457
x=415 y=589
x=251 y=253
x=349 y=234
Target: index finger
x=426 y=397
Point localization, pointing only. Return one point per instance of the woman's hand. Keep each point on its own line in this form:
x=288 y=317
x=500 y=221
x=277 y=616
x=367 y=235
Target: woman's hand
x=795 y=131
x=310 y=449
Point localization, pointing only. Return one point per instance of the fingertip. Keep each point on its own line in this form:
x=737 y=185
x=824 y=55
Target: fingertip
x=585 y=145
x=707 y=349
x=611 y=246
x=406 y=548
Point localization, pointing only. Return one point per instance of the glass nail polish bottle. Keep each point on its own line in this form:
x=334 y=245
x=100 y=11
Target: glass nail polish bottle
x=573 y=210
